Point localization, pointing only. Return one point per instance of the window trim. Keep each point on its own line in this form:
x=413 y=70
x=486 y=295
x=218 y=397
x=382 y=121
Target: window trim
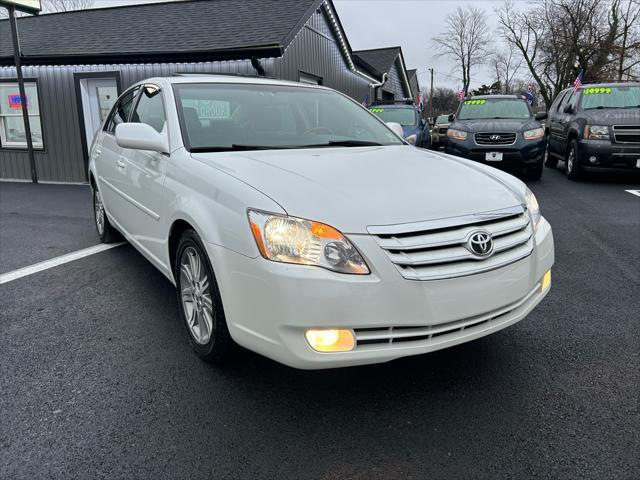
x=162 y=100
x=16 y=148
x=105 y=128
x=302 y=73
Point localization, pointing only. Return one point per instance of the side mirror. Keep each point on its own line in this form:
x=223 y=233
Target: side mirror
x=396 y=128
x=140 y=136
x=452 y=117
x=541 y=115
x=568 y=109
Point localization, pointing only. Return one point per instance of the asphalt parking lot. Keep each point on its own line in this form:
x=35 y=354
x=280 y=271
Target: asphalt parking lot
x=97 y=379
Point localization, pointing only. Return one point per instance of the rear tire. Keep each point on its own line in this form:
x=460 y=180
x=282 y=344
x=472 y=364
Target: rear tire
x=106 y=231
x=572 y=163
x=200 y=302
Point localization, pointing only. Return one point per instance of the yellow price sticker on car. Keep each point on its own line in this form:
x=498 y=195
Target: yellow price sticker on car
x=475 y=102
x=596 y=90
x=376 y=110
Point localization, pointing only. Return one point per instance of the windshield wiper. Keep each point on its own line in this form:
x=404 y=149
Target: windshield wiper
x=239 y=148
x=242 y=148
x=344 y=143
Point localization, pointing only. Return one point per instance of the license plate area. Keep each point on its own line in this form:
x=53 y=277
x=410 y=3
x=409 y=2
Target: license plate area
x=493 y=156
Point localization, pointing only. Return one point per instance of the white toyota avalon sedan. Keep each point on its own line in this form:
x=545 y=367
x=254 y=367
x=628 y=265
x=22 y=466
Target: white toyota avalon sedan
x=297 y=224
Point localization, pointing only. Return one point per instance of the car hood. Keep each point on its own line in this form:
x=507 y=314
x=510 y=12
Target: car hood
x=352 y=188
x=499 y=125
x=613 y=116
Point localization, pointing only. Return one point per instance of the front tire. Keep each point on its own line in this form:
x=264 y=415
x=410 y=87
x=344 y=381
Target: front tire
x=106 y=231
x=572 y=163
x=550 y=161
x=200 y=302
x=535 y=172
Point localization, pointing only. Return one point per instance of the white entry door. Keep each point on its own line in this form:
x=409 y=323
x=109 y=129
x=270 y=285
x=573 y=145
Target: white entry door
x=98 y=97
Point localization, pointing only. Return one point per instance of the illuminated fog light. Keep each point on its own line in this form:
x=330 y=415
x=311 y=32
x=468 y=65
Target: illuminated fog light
x=593 y=159
x=330 y=340
x=546 y=281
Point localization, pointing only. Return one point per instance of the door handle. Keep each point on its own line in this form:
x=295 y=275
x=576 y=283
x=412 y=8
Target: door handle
x=120 y=163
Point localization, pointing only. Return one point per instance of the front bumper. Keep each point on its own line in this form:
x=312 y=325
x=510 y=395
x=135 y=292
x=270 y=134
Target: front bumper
x=269 y=305
x=602 y=155
x=522 y=153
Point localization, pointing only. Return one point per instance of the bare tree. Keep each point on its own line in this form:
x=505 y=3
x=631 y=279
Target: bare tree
x=628 y=46
x=466 y=39
x=445 y=101
x=54 y=6
x=506 y=65
x=558 y=38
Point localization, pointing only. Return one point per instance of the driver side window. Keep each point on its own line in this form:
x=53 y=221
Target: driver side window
x=121 y=111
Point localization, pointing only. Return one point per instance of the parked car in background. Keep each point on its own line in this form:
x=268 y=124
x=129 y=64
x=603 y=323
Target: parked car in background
x=500 y=130
x=595 y=128
x=407 y=114
x=295 y=223
x=439 y=132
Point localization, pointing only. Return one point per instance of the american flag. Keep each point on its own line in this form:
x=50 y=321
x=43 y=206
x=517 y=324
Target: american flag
x=577 y=83
x=365 y=101
x=461 y=95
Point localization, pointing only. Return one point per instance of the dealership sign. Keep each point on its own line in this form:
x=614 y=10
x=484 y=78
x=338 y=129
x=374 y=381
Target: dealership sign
x=28 y=6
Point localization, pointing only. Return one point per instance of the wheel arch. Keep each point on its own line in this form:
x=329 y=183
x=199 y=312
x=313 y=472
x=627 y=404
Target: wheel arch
x=178 y=227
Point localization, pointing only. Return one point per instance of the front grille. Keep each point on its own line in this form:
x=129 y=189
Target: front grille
x=497 y=138
x=438 y=250
x=430 y=334
x=626 y=133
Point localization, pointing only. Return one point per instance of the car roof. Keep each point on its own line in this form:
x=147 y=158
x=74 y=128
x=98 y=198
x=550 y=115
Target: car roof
x=606 y=84
x=517 y=97
x=237 y=79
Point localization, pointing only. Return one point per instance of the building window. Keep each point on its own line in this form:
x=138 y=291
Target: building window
x=12 y=133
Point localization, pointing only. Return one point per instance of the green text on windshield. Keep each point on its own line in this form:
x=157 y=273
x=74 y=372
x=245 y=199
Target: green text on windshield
x=611 y=97
x=494 y=108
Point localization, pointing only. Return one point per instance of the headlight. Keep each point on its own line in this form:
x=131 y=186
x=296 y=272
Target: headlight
x=534 y=208
x=596 y=132
x=533 y=134
x=412 y=139
x=456 y=134
x=295 y=240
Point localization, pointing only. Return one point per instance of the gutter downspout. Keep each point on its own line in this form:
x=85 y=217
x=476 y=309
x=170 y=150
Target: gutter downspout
x=376 y=86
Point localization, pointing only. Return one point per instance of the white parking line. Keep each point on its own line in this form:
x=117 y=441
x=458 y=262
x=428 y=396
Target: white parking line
x=634 y=192
x=54 y=262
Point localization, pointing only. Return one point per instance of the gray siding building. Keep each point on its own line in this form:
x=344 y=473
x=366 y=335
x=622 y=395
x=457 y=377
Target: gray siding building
x=387 y=60
x=77 y=63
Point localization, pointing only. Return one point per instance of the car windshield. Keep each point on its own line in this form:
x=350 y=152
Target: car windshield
x=494 y=108
x=405 y=116
x=220 y=116
x=443 y=119
x=611 y=97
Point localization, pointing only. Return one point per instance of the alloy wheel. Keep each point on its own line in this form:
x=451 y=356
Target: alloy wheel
x=570 y=160
x=98 y=208
x=196 y=295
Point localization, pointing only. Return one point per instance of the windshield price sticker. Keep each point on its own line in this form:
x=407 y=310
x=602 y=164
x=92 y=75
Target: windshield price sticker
x=475 y=102
x=590 y=91
x=376 y=110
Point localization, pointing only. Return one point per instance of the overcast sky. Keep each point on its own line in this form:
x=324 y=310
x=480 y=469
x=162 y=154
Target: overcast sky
x=408 y=23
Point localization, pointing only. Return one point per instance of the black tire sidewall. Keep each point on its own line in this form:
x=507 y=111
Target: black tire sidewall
x=575 y=170
x=550 y=161
x=218 y=343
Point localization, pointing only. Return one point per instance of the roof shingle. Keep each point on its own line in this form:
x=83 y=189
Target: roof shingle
x=196 y=26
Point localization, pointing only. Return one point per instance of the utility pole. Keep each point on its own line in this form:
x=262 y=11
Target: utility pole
x=23 y=95
x=431 y=95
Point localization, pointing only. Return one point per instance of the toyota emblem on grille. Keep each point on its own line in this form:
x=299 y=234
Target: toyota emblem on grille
x=495 y=137
x=480 y=243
